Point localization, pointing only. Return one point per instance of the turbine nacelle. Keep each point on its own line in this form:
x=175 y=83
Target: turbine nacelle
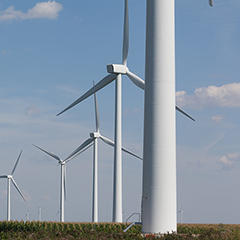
x=117 y=69
x=95 y=135
x=123 y=70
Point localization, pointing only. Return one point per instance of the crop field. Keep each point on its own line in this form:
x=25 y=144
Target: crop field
x=57 y=230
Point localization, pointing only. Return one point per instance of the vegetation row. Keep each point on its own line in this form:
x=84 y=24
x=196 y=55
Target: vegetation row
x=57 y=230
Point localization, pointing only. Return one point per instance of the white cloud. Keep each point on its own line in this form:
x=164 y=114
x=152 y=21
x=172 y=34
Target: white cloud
x=33 y=111
x=67 y=89
x=218 y=119
x=224 y=96
x=49 y=10
x=229 y=160
x=5 y=52
x=218 y=76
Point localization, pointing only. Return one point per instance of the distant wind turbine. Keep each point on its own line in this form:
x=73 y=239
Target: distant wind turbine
x=181 y=214
x=9 y=179
x=94 y=139
x=40 y=213
x=27 y=215
x=63 y=179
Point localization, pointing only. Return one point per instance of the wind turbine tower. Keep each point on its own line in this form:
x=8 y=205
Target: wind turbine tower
x=62 y=183
x=159 y=154
x=10 y=179
x=40 y=213
x=94 y=136
x=181 y=215
x=27 y=215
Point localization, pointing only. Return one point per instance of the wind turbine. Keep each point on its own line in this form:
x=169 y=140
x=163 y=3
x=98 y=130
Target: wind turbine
x=94 y=139
x=159 y=161
x=181 y=214
x=115 y=72
x=40 y=213
x=27 y=215
x=9 y=179
x=63 y=179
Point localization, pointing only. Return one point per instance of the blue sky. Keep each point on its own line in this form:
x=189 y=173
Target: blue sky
x=50 y=52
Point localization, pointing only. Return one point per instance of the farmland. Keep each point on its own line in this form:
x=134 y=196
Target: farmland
x=57 y=230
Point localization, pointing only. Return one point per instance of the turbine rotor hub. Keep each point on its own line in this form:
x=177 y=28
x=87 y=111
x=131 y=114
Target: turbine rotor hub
x=95 y=135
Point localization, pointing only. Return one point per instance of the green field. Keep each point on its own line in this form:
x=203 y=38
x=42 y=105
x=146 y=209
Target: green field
x=57 y=230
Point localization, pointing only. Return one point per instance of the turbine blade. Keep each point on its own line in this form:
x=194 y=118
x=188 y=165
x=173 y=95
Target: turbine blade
x=16 y=163
x=96 y=111
x=181 y=111
x=106 y=80
x=107 y=141
x=211 y=3
x=81 y=147
x=49 y=153
x=69 y=159
x=111 y=143
x=131 y=153
x=140 y=83
x=136 y=80
x=125 y=35
x=18 y=189
x=3 y=176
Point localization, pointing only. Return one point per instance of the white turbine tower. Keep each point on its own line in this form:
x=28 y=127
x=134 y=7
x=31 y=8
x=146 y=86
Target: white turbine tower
x=27 y=215
x=63 y=179
x=159 y=161
x=9 y=179
x=181 y=214
x=40 y=213
x=94 y=139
